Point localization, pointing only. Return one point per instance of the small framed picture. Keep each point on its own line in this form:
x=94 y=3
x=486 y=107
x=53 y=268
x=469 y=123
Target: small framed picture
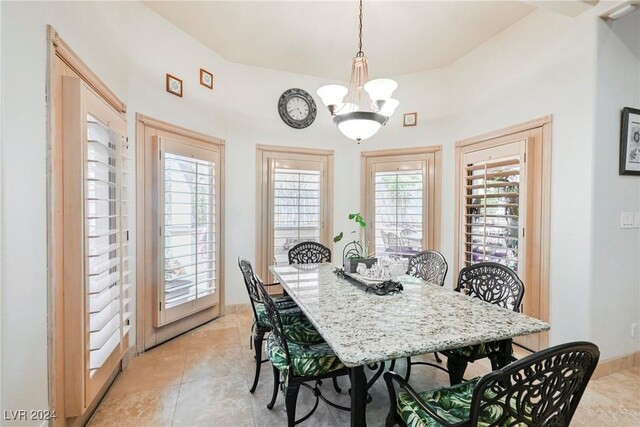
x=206 y=78
x=174 y=85
x=630 y=142
x=410 y=119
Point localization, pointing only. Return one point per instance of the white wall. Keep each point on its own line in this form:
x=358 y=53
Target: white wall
x=615 y=294
x=253 y=119
x=582 y=71
x=543 y=64
x=131 y=49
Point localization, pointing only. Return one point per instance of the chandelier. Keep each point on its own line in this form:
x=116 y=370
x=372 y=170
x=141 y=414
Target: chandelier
x=365 y=106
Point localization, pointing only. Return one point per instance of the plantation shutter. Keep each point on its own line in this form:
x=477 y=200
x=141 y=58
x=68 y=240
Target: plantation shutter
x=188 y=228
x=296 y=209
x=493 y=215
x=108 y=258
x=399 y=203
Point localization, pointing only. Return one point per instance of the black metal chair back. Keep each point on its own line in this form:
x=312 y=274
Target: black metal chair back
x=394 y=242
x=429 y=266
x=273 y=317
x=309 y=253
x=493 y=283
x=543 y=389
x=251 y=283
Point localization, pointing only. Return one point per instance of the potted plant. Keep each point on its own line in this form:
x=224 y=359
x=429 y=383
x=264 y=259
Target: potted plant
x=356 y=251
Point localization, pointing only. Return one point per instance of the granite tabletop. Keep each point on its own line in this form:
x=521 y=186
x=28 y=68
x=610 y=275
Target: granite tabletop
x=362 y=327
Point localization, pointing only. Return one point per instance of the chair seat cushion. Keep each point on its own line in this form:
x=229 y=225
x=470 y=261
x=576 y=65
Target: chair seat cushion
x=306 y=359
x=301 y=330
x=289 y=313
x=451 y=403
x=454 y=405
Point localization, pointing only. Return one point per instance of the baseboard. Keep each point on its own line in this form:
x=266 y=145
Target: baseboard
x=236 y=308
x=616 y=364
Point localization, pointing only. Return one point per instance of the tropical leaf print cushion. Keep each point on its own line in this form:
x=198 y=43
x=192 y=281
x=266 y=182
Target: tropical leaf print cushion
x=287 y=314
x=454 y=405
x=306 y=359
x=301 y=330
x=451 y=403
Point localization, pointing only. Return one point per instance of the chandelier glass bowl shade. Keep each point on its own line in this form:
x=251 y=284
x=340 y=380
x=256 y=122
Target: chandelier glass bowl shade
x=365 y=106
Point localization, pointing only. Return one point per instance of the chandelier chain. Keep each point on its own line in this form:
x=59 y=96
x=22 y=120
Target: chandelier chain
x=360 y=52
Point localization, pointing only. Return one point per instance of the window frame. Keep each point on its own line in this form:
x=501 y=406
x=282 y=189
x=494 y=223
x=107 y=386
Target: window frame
x=265 y=155
x=169 y=315
x=432 y=182
x=537 y=132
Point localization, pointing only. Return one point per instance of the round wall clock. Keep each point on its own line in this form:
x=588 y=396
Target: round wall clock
x=297 y=108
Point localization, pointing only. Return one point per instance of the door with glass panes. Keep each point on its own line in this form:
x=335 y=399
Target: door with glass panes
x=494 y=215
x=189 y=229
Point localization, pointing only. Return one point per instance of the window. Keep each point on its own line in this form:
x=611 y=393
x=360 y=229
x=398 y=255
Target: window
x=400 y=194
x=294 y=201
x=494 y=218
x=502 y=209
x=189 y=228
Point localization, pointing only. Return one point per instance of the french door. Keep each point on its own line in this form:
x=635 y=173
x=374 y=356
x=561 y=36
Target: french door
x=188 y=244
x=401 y=200
x=294 y=202
x=180 y=251
x=502 y=205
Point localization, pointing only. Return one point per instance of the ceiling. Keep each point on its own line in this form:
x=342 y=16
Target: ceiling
x=319 y=38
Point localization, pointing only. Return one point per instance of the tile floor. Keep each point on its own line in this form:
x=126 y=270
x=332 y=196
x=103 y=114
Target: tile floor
x=203 y=378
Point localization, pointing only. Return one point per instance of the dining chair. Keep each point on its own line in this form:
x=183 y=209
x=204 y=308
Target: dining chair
x=297 y=324
x=431 y=267
x=496 y=284
x=542 y=389
x=395 y=244
x=309 y=253
x=299 y=363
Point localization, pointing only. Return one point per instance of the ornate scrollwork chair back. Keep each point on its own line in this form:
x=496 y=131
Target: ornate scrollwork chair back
x=251 y=283
x=429 y=266
x=543 y=389
x=275 y=322
x=309 y=253
x=493 y=283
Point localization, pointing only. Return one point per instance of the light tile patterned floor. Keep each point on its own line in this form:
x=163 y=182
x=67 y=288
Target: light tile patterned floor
x=202 y=379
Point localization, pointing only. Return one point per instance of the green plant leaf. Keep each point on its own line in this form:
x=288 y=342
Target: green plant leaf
x=338 y=237
x=352 y=216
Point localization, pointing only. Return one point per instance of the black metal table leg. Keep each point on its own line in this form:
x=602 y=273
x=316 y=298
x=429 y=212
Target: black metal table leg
x=504 y=356
x=358 y=397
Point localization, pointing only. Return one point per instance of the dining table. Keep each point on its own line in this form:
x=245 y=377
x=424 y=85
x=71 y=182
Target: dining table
x=365 y=328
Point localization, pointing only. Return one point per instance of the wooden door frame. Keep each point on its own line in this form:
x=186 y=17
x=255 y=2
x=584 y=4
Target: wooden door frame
x=431 y=209
x=59 y=52
x=144 y=208
x=264 y=154
x=541 y=172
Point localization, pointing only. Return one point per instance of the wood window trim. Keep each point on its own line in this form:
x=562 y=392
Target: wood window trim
x=84 y=72
x=59 y=51
x=538 y=156
x=434 y=186
x=144 y=205
x=262 y=201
